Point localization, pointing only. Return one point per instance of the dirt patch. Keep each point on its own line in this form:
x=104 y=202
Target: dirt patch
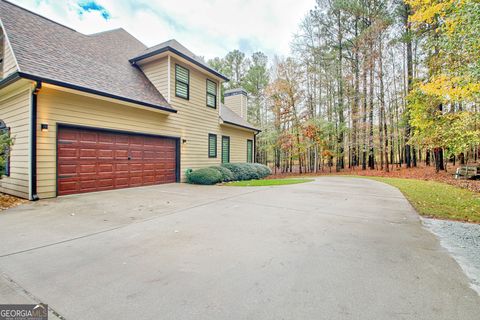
x=421 y=173
x=8 y=201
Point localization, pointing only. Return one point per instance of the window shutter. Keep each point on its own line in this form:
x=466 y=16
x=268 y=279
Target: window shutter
x=211 y=87
x=211 y=94
x=249 y=151
x=212 y=146
x=225 y=149
x=182 y=74
x=182 y=82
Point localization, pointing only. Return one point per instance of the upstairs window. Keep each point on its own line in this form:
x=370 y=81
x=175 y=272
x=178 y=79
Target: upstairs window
x=182 y=82
x=211 y=94
x=249 y=151
x=212 y=145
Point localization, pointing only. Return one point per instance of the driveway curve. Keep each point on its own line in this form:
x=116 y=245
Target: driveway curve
x=335 y=248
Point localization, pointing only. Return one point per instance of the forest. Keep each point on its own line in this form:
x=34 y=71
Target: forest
x=368 y=85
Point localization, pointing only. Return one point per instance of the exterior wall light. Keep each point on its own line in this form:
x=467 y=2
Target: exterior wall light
x=44 y=127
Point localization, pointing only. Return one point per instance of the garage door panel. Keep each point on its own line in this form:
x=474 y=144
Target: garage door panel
x=121 y=167
x=92 y=160
x=136 y=154
x=106 y=139
x=86 y=154
x=88 y=137
x=68 y=169
x=105 y=154
x=105 y=168
x=68 y=187
x=121 y=154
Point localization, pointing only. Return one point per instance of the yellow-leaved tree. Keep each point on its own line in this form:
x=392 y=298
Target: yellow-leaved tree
x=444 y=105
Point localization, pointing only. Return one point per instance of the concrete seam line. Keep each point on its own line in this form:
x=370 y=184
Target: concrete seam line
x=17 y=286
x=168 y=213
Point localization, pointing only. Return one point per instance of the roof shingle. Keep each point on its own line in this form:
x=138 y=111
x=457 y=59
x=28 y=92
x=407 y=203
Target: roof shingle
x=230 y=117
x=176 y=47
x=98 y=62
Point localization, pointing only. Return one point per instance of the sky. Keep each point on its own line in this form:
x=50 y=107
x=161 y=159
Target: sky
x=209 y=28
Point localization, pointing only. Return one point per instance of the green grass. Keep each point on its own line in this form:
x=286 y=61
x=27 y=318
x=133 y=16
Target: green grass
x=438 y=200
x=269 y=182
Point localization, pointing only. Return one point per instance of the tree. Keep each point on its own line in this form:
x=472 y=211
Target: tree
x=5 y=144
x=255 y=82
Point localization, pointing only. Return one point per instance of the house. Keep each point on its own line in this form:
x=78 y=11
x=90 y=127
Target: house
x=103 y=111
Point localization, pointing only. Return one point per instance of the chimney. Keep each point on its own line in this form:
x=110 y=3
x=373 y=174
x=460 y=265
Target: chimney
x=236 y=99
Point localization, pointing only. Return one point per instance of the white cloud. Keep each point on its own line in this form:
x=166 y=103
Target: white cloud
x=209 y=27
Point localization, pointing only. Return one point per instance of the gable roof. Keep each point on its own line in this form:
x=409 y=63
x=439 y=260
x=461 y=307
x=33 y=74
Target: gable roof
x=177 y=48
x=98 y=63
x=228 y=116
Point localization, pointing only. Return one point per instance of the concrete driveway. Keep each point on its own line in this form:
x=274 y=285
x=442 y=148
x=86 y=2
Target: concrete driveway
x=336 y=248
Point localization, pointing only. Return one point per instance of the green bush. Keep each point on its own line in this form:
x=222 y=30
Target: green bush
x=248 y=171
x=240 y=171
x=227 y=175
x=204 y=176
x=228 y=172
x=263 y=170
x=252 y=172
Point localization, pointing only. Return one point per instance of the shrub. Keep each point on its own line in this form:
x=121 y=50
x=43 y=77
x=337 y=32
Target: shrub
x=248 y=171
x=228 y=172
x=227 y=175
x=252 y=172
x=204 y=176
x=263 y=170
x=240 y=172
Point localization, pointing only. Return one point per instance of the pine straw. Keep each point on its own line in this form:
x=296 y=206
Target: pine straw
x=8 y=201
x=420 y=173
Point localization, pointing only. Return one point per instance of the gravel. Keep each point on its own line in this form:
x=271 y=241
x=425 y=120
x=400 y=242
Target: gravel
x=462 y=240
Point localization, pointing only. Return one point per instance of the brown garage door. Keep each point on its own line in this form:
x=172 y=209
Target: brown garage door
x=95 y=160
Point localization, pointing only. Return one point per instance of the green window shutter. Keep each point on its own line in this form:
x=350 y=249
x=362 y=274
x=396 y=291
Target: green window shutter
x=249 y=151
x=211 y=94
x=225 y=149
x=212 y=145
x=182 y=82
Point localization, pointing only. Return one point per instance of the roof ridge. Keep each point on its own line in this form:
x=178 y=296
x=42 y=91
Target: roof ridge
x=106 y=31
x=39 y=15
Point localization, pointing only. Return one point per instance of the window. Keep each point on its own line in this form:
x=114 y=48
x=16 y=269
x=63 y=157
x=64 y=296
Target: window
x=212 y=145
x=225 y=149
x=5 y=154
x=182 y=82
x=249 y=151
x=211 y=94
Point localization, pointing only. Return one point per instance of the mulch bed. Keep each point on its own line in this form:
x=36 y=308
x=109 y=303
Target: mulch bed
x=420 y=173
x=8 y=201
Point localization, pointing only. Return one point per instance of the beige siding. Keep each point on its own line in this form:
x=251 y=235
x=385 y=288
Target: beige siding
x=238 y=143
x=9 y=63
x=193 y=122
x=15 y=111
x=157 y=73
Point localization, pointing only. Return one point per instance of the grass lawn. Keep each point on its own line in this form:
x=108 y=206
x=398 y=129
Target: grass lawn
x=270 y=182
x=438 y=200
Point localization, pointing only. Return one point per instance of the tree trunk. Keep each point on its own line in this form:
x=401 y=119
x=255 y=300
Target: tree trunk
x=408 y=159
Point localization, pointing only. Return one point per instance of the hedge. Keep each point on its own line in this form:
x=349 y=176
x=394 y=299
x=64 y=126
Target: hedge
x=204 y=176
x=227 y=175
x=228 y=172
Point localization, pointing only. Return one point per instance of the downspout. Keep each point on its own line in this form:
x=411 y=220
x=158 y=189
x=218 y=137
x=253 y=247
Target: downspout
x=33 y=143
